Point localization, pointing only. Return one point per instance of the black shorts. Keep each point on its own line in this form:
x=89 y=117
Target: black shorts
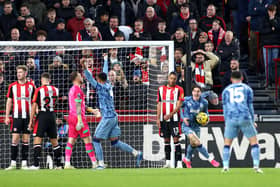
x=168 y=129
x=20 y=125
x=45 y=123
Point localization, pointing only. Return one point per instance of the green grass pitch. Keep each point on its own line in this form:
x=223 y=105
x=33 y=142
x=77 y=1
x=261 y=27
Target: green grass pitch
x=140 y=178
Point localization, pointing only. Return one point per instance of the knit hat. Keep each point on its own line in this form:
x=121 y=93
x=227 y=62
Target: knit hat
x=138 y=55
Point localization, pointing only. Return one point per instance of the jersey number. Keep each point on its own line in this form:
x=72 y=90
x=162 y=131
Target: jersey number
x=236 y=95
x=48 y=100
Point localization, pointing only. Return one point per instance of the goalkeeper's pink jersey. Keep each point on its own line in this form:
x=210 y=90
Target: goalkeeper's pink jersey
x=76 y=93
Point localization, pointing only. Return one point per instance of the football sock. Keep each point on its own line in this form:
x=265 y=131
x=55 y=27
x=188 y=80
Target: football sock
x=14 y=152
x=167 y=150
x=255 y=152
x=178 y=152
x=203 y=151
x=98 y=149
x=24 y=150
x=37 y=153
x=121 y=145
x=189 y=152
x=226 y=156
x=90 y=152
x=57 y=155
x=68 y=152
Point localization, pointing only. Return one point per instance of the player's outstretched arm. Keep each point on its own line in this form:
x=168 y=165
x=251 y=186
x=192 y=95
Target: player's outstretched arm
x=90 y=79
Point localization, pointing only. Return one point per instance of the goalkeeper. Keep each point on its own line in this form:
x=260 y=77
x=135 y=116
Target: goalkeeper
x=192 y=105
x=108 y=127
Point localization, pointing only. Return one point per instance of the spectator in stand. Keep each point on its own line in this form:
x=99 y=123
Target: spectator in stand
x=59 y=34
x=95 y=34
x=207 y=21
x=24 y=13
x=2 y=67
x=139 y=33
x=137 y=92
x=202 y=67
x=181 y=79
x=33 y=72
x=38 y=10
x=67 y=58
x=8 y=20
x=270 y=35
x=234 y=66
x=41 y=35
x=256 y=10
x=15 y=35
x=149 y=3
x=58 y=69
x=117 y=67
x=178 y=59
x=216 y=34
x=164 y=4
x=119 y=36
x=195 y=33
x=113 y=56
x=124 y=12
x=93 y=8
x=109 y=31
x=84 y=35
x=50 y=22
x=65 y=11
x=103 y=20
x=29 y=31
x=202 y=40
x=151 y=20
x=180 y=40
x=277 y=4
x=161 y=34
x=209 y=47
x=229 y=49
x=174 y=9
x=74 y=25
x=181 y=20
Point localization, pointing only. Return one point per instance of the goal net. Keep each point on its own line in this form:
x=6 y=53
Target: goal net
x=136 y=69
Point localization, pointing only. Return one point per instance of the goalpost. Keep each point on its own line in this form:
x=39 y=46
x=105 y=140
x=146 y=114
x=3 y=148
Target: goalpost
x=135 y=99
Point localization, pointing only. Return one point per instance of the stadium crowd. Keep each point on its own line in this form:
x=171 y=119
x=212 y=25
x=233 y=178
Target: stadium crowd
x=218 y=30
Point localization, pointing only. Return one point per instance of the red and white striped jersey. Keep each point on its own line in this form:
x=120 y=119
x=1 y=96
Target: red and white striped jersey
x=46 y=98
x=21 y=94
x=168 y=97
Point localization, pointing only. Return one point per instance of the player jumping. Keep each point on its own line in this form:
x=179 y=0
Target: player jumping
x=19 y=97
x=192 y=105
x=108 y=127
x=45 y=99
x=239 y=115
x=77 y=121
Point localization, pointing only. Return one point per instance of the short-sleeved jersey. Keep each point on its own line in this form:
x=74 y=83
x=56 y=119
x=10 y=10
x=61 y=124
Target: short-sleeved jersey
x=105 y=96
x=168 y=97
x=46 y=97
x=76 y=93
x=21 y=94
x=191 y=108
x=238 y=102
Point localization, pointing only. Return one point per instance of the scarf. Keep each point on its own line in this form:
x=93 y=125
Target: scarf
x=199 y=73
x=184 y=17
x=220 y=37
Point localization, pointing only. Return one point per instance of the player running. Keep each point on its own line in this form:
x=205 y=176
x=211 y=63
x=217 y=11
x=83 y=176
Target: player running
x=108 y=127
x=19 y=96
x=45 y=99
x=192 y=105
x=77 y=121
x=239 y=115
x=170 y=99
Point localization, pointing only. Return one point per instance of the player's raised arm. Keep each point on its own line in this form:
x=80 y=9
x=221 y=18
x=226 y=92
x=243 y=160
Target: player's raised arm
x=90 y=79
x=105 y=66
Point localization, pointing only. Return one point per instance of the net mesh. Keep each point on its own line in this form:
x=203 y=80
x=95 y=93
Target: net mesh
x=135 y=73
